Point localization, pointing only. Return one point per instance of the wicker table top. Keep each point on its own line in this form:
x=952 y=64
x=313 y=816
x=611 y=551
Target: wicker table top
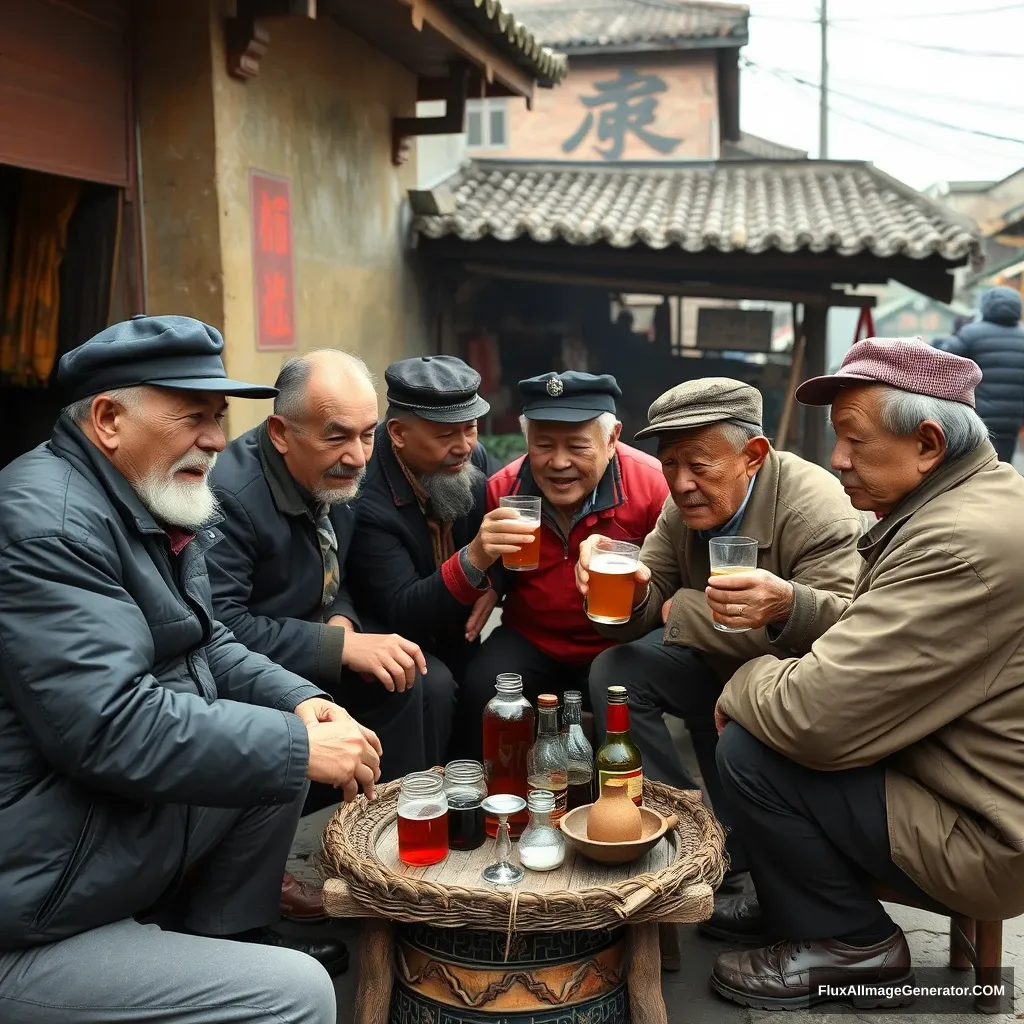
x=363 y=875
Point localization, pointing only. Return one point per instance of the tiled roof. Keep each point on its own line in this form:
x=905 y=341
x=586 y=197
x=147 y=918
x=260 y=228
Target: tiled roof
x=733 y=206
x=619 y=24
x=495 y=21
x=749 y=146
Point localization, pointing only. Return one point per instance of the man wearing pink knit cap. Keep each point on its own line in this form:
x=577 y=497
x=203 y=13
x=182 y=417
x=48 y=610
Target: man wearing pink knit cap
x=893 y=751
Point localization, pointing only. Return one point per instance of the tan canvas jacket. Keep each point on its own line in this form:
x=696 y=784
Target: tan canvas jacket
x=807 y=533
x=924 y=671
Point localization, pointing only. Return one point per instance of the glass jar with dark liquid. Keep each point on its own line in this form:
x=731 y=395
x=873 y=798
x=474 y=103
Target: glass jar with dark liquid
x=465 y=788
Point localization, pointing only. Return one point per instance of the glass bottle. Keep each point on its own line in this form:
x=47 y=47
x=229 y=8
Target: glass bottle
x=548 y=761
x=542 y=845
x=580 y=753
x=465 y=789
x=508 y=735
x=620 y=757
x=422 y=819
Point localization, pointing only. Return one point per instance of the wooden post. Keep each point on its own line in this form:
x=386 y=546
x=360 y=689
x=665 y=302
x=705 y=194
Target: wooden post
x=647 y=1005
x=959 y=957
x=376 y=971
x=815 y=330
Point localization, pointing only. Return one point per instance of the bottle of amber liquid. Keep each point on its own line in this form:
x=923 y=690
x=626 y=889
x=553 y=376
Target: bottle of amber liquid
x=548 y=760
x=619 y=757
x=508 y=736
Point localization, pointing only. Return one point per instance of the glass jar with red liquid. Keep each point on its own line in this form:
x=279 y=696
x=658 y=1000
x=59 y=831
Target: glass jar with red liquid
x=508 y=735
x=422 y=820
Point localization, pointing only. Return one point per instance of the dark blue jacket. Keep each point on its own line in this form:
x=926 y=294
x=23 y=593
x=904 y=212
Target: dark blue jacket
x=996 y=344
x=122 y=700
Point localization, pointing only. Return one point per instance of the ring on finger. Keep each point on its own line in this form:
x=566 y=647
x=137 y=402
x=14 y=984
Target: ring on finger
x=735 y=610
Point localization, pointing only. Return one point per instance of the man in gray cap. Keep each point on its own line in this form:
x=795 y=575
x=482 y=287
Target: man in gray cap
x=725 y=479
x=153 y=769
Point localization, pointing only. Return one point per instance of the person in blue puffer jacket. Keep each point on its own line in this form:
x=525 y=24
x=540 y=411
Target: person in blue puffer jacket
x=996 y=344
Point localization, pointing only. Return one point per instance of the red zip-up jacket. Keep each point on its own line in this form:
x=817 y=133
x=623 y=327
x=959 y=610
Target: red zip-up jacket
x=544 y=605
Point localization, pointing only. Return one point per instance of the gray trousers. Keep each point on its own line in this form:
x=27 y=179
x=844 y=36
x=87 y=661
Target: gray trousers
x=131 y=972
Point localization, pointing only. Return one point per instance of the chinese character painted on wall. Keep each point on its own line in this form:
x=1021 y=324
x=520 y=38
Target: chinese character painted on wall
x=629 y=103
x=273 y=268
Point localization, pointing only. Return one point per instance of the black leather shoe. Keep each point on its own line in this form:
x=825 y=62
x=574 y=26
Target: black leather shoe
x=735 y=883
x=736 y=919
x=331 y=953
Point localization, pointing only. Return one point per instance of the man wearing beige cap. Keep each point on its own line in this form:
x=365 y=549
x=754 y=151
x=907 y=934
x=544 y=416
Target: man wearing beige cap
x=725 y=479
x=890 y=751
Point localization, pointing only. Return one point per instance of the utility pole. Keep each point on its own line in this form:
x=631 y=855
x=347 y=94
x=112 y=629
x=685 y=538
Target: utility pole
x=823 y=114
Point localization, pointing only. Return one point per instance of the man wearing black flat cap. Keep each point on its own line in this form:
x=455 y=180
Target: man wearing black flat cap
x=152 y=769
x=420 y=532
x=589 y=483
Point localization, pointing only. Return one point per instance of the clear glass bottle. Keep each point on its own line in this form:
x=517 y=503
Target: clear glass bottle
x=542 y=845
x=465 y=790
x=548 y=761
x=580 y=753
x=422 y=819
x=508 y=734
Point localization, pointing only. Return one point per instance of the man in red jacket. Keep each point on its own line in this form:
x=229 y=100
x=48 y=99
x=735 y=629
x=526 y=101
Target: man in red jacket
x=589 y=483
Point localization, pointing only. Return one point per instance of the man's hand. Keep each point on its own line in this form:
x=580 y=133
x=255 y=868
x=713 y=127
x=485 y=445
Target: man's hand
x=344 y=754
x=641 y=578
x=749 y=600
x=502 y=532
x=385 y=656
x=319 y=709
x=340 y=620
x=482 y=608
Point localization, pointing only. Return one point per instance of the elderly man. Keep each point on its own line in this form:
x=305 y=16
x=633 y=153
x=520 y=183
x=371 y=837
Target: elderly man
x=725 y=479
x=891 y=750
x=589 y=483
x=278 y=576
x=412 y=559
x=152 y=768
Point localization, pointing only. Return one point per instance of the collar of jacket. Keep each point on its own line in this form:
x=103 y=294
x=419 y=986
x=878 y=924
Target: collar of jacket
x=289 y=498
x=606 y=497
x=401 y=489
x=69 y=441
x=874 y=542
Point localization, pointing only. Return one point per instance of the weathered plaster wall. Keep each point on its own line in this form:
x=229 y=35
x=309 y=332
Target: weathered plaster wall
x=176 y=123
x=319 y=114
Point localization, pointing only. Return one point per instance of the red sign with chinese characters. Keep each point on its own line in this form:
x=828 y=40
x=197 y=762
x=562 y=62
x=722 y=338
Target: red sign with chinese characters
x=273 y=266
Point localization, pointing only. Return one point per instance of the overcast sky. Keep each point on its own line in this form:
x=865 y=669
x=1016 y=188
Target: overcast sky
x=977 y=89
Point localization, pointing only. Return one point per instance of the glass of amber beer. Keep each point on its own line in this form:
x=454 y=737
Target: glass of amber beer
x=612 y=570
x=528 y=556
x=730 y=555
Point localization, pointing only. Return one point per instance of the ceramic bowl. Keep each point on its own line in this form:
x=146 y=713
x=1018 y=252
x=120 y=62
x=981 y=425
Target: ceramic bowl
x=574 y=825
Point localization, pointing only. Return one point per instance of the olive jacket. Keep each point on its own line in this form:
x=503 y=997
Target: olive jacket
x=924 y=672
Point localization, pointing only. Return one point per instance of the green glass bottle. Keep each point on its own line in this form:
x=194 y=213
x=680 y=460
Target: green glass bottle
x=619 y=757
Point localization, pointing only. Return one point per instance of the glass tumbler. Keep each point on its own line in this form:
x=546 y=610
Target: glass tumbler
x=527 y=557
x=731 y=555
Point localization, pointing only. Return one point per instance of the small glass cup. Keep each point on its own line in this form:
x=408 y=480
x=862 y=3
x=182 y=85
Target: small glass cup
x=527 y=557
x=731 y=555
x=542 y=845
x=465 y=790
x=612 y=581
x=503 y=871
x=422 y=820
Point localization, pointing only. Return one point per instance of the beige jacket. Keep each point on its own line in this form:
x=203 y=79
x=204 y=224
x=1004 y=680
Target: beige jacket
x=807 y=533
x=925 y=671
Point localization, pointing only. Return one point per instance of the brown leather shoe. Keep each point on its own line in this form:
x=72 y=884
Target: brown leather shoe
x=736 y=919
x=780 y=977
x=301 y=902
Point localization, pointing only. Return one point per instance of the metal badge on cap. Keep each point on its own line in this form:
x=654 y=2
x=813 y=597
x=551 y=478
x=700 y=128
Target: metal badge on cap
x=555 y=387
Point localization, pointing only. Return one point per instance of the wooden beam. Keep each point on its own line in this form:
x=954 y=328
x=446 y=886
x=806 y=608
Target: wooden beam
x=246 y=36
x=477 y=87
x=451 y=122
x=472 y=46
x=658 y=287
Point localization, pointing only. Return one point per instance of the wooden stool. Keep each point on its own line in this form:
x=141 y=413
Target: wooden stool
x=972 y=944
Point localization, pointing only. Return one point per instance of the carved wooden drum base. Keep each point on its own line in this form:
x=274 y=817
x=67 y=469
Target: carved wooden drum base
x=458 y=976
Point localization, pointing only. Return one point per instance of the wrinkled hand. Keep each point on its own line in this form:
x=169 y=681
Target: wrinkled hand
x=388 y=657
x=641 y=578
x=482 y=608
x=502 y=532
x=749 y=600
x=319 y=709
x=721 y=721
x=344 y=754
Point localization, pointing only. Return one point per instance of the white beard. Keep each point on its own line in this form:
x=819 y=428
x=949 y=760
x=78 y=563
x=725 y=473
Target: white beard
x=176 y=502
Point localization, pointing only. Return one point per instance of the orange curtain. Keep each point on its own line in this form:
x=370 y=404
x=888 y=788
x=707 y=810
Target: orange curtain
x=28 y=347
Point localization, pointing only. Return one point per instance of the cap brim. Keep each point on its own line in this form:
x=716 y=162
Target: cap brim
x=823 y=390
x=221 y=385
x=561 y=413
x=460 y=414
x=676 y=427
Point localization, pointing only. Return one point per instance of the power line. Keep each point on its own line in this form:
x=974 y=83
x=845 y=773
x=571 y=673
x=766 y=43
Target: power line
x=987 y=104
x=937 y=47
x=934 y=14
x=896 y=111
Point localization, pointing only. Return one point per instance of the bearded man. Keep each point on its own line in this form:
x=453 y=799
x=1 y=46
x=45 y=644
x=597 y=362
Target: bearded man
x=279 y=582
x=152 y=769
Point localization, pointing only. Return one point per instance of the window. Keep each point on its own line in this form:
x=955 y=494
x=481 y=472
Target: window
x=487 y=123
